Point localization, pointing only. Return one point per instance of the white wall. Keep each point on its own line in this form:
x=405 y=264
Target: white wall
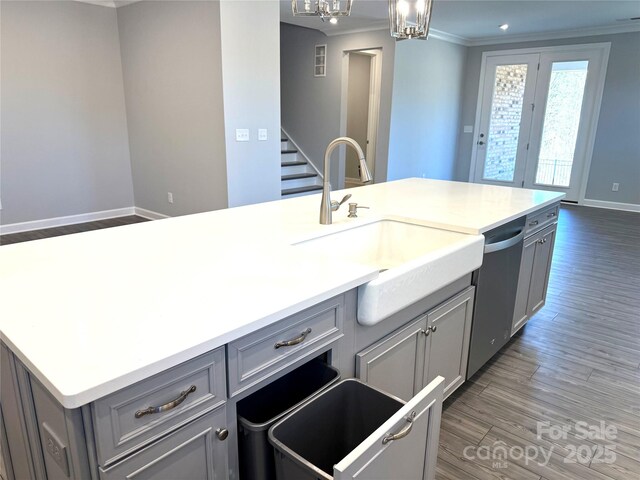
x=311 y=105
x=251 y=78
x=427 y=98
x=172 y=66
x=64 y=147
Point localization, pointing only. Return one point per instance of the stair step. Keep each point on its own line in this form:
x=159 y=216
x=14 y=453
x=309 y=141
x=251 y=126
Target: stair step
x=288 y=151
x=310 y=188
x=296 y=176
x=293 y=164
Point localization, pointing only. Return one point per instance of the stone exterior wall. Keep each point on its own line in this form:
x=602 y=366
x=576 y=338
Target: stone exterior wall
x=504 y=126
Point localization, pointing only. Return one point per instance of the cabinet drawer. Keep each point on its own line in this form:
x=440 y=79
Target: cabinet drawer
x=119 y=425
x=262 y=353
x=536 y=221
x=193 y=451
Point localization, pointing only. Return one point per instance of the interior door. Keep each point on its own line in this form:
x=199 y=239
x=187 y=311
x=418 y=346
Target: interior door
x=566 y=99
x=404 y=447
x=505 y=119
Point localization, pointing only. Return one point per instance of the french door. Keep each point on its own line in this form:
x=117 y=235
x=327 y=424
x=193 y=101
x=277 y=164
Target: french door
x=537 y=118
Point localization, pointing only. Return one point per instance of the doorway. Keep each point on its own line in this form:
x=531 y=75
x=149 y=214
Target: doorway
x=362 y=102
x=536 y=118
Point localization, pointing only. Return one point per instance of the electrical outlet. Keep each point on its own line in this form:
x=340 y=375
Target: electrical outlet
x=56 y=449
x=262 y=134
x=169 y=197
x=615 y=187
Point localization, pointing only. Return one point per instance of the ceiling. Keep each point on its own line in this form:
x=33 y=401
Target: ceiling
x=477 y=21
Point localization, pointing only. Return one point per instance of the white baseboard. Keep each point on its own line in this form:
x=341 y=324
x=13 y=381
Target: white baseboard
x=628 y=207
x=68 y=220
x=149 y=214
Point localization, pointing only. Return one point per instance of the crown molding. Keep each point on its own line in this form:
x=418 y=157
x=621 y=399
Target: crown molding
x=578 y=32
x=101 y=3
x=375 y=26
x=449 y=37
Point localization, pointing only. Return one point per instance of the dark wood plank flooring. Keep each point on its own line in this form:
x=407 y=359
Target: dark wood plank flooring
x=69 y=229
x=577 y=360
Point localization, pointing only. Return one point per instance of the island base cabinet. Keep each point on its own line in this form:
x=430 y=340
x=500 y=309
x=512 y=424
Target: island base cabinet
x=534 y=275
x=193 y=451
x=435 y=344
x=450 y=327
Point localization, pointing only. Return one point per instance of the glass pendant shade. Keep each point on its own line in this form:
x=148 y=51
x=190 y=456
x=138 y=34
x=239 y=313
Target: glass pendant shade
x=321 y=8
x=409 y=18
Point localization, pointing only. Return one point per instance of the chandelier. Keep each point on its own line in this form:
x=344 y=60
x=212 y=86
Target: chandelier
x=321 y=8
x=409 y=18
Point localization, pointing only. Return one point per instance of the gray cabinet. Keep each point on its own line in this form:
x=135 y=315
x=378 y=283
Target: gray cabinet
x=192 y=452
x=435 y=344
x=534 y=275
x=396 y=364
x=450 y=327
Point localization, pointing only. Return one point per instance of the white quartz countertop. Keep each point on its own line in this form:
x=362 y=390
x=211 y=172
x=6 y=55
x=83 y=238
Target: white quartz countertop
x=94 y=312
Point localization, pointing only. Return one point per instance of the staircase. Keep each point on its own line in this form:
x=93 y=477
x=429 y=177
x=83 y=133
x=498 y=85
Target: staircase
x=298 y=177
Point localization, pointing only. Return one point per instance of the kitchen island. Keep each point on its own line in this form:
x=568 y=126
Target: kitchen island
x=95 y=313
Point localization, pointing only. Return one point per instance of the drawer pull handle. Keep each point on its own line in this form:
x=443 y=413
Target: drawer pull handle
x=551 y=215
x=166 y=406
x=295 y=341
x=402 y=433
x=534 y=223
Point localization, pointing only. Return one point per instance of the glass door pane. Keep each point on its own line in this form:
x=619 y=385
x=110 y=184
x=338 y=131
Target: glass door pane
x=561 y=123
x=504 y=122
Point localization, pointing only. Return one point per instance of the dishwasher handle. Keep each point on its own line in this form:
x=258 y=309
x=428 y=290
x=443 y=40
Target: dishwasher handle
x=504 y=244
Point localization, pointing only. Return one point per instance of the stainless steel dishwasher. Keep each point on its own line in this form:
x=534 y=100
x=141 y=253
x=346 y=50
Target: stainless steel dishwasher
x=496 y=284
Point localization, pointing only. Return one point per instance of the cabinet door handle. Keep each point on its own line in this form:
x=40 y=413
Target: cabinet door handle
x=434 y=328
x=294 y=341
x=222 y=433
x=534 y=223
x=426 y=332
x=406 y=430
x=167 y=406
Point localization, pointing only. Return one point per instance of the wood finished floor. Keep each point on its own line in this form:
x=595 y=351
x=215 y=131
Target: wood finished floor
x=577 y=360
x=69 y=229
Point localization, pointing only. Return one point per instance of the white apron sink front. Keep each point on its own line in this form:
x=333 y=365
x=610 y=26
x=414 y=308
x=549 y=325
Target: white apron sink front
x=413 y=262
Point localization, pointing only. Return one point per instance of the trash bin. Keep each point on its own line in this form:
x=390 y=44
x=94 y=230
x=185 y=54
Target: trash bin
x=260 y=410
x=311 y=440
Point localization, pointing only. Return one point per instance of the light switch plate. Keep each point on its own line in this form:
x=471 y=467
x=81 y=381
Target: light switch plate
x=242 y=134
x=262 y=135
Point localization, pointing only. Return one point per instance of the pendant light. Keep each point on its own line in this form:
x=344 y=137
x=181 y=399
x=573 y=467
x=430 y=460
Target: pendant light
x=409 y=18
x=321 y=8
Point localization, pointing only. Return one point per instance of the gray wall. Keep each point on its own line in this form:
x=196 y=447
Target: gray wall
x=357 y=108
x=425 y=117
x=311 y=106
x=616 y=153
x=171 y=60
x=251 y=75
x=64 y=137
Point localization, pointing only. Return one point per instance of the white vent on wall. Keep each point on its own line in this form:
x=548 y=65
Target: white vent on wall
x=320 y=61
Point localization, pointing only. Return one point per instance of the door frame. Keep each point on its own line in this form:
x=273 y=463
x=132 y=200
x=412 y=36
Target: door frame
x=375 y=91
x=590 y=129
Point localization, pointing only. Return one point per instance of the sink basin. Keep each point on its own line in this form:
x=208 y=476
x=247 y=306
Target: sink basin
x=413 y=260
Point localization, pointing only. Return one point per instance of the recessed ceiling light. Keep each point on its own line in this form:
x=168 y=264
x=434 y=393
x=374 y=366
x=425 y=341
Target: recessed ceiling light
x=504 y=26
x=333 y=21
